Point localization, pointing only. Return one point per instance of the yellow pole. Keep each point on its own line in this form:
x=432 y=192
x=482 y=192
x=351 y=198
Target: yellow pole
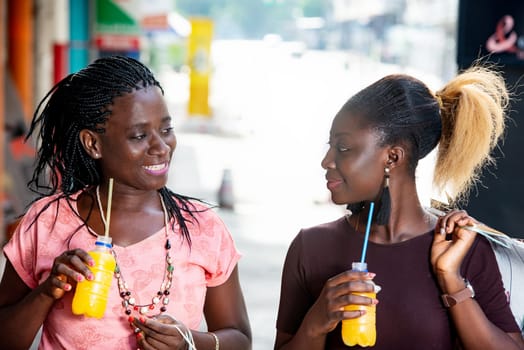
x=199 y=50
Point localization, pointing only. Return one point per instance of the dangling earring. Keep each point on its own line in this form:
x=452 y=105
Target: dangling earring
x=382 y=217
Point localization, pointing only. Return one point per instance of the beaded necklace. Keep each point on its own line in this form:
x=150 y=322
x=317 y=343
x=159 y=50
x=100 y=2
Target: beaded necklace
x=129 y=303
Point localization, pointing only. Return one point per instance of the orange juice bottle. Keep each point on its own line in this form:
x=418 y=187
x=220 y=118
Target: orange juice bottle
x=361 y=330
x=90 y=297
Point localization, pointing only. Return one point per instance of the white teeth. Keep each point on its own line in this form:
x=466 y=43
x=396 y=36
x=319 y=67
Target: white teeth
x=156 y=167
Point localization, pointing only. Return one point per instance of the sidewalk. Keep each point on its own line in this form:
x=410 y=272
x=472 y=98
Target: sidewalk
x=265 y=219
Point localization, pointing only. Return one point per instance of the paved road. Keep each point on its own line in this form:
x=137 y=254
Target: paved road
x=263 y=222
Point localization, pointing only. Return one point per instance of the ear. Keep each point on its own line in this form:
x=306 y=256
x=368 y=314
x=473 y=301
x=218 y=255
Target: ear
x=91 y=142
x=396 y=157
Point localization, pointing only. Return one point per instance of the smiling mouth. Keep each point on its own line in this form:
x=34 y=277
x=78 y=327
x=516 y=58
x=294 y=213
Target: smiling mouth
x=157 y=168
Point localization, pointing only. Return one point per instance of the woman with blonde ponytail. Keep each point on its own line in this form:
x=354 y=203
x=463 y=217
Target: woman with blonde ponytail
x=440 y=284
x=473 y=120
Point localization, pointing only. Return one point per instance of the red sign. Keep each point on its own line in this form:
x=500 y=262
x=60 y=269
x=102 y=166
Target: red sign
x=117 y=42
x=155 y=22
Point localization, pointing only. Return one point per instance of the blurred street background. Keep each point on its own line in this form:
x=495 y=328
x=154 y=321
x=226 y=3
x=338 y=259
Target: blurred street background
x=253 y=87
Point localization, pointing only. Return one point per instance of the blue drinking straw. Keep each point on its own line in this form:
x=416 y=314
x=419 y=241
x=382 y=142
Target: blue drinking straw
x=366 y=237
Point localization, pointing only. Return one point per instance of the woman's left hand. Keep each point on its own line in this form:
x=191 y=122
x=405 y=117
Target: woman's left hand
x=160 y=332
x=451 y=242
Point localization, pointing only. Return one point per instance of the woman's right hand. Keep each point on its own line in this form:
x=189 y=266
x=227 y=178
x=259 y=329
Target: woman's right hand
x=328 y=310
x=68 y=269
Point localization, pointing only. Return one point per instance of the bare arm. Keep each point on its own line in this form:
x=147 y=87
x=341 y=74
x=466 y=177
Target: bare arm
x=226 y=316
x=473 y=327
x=22 y=310
x=299 y=340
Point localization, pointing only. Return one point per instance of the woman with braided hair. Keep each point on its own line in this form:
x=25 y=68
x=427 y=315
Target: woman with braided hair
x=440 y=283
x=176 y=260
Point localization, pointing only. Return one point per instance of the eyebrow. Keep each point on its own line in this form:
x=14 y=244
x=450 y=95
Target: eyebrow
x=345 y=133
x=141 y=125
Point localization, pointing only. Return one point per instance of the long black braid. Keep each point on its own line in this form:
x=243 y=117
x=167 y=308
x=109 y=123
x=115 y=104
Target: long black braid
x=80 y=101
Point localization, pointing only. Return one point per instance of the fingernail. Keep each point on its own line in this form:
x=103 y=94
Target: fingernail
x=374 y=301
x=131 y=319
x=142 y=319
x=79 y=278
x=442 y=231
x=67 y=287
x=139 y=336
x=371 y=275
x=90 y=277
x=91 y=263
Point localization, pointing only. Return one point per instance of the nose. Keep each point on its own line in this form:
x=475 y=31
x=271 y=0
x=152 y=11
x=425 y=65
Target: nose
x=159 y=146
x=328 y=162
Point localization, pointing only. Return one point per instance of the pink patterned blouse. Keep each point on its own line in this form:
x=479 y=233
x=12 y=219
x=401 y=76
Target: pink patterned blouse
x=208 y=263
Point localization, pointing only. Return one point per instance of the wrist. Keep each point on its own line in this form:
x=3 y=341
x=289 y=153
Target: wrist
x=455 y=298
x=312 y=333
x=450 y=283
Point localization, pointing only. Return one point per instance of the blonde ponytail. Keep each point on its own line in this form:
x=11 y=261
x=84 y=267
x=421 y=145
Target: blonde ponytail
x=473 y=116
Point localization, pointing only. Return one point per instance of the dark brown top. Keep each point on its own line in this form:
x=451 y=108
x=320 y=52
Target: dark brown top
x=410 y=313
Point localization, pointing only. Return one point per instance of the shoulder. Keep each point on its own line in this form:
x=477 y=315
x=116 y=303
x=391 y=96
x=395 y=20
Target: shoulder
x=199 y=206
x=203 y=212
x=324 y=231
x=480 y=262
x=44 y=204
x=202 y=219
x=481 y=249
x=317 y=237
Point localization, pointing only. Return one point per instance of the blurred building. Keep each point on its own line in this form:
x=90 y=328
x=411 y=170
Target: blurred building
x=400 y=32
x=42 y=41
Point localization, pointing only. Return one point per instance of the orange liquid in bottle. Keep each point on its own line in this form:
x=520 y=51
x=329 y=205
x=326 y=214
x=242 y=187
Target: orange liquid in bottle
x=361 y=330
x=91 y=296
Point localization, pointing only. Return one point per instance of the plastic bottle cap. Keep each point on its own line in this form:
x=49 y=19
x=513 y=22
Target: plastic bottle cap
x=359 y=266
x=104 y=241
x=363 y=267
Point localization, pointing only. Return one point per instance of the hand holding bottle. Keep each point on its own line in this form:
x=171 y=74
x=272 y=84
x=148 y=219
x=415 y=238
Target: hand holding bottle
x=91 y=295
x=338 y=291
x=361 y=330
x=68 y=268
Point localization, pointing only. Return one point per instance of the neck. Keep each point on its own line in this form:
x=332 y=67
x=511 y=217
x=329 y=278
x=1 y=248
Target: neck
x=127 y=200
x=407 y=219
x=104 y=213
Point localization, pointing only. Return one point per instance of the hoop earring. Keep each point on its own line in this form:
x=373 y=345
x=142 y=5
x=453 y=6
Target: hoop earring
x=384 y=210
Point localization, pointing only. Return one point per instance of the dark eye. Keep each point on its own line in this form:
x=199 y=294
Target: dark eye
x=168 y=130
x=338 y=147
x=138 y=137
